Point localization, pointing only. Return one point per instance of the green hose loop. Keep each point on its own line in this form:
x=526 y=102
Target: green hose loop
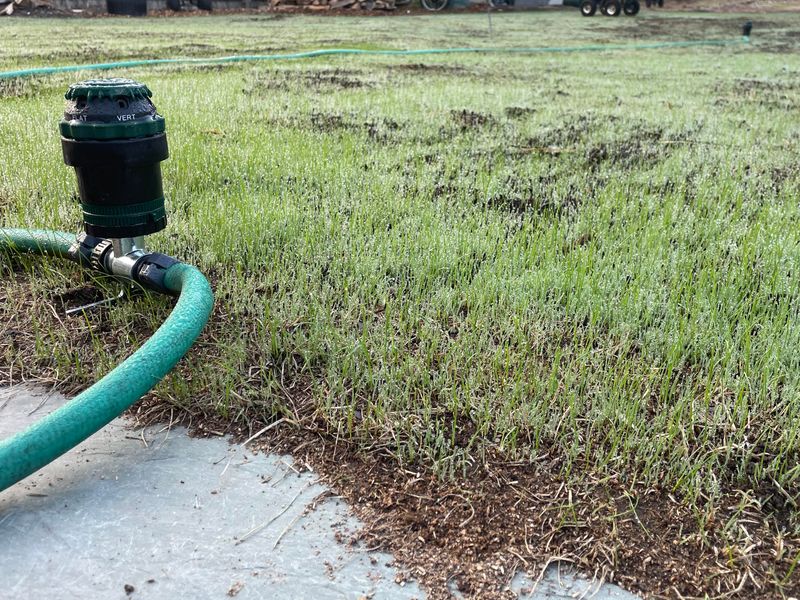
x=125 y=64
x=45 y=440
x=38 y=241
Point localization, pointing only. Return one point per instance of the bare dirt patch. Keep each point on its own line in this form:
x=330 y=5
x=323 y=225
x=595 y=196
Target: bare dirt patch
x=17 y=88
x=583 y=137
x=338 y=78
x=77 y=296
x=507 y=516
x=379 y=130
x=321 y=80
x=541 y=195
x=777 y=94
x=467 y=119
x=425 y=68
x=641 y=146
x=568 y=133
x=518 y=112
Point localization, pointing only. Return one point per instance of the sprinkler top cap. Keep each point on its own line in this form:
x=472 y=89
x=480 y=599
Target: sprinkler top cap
x=108 y=88
x=110 y=109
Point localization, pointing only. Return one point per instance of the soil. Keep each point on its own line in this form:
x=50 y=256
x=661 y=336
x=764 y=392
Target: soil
x=468 y=120
x=319 y=80
x=77 y=296
x=518 y=112
x=430 y=68
x=379 y=130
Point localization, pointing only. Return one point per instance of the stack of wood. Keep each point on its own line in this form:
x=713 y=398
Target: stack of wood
x=335 y=4
x=7 y=7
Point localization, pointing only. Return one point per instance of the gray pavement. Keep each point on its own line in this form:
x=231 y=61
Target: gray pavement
x=155 y=514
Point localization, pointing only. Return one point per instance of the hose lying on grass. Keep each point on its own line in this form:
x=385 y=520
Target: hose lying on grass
x=351 y=51
x=45 y=440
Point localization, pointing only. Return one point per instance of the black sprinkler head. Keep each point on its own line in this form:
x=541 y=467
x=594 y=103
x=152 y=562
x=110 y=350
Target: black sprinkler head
x=113 y=136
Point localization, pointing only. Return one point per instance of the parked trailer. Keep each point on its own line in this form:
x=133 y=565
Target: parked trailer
x=609 y=8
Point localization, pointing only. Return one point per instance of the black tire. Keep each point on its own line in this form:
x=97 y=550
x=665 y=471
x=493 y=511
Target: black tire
x=588 y=8
x=434 y=4
x=174 y=5
x=133 y=8
x=631 y=7
x=611 y=8
x=204 y=5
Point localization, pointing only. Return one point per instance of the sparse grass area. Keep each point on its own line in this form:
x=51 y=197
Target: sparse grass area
x=593 y=257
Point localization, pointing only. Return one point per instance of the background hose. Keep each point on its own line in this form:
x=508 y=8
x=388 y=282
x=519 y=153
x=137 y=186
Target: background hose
x=47 y=439
x=350 y=51
x=39 y=241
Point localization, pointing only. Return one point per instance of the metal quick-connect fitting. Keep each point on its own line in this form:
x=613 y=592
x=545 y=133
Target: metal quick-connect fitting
x=113 y=136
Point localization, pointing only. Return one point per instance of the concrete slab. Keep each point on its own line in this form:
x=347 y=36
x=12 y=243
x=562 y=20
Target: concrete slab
x=154 y=514
x=560 y=583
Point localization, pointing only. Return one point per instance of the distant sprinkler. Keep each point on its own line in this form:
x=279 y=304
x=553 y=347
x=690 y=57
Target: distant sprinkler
x=746 y=29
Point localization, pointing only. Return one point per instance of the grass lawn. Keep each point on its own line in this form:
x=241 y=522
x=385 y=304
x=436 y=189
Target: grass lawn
x=564 y=285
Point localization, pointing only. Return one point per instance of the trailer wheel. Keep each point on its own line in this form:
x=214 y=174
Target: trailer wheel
x=588 y=8
x=631 y=7
x=434 y=4
x=611 y=8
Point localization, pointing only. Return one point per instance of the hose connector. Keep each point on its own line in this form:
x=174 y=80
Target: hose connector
x=85 y=248
x=150 y=269
x=124 y=259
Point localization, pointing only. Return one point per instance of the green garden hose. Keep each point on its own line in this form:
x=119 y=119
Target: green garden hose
x=357 y=51
x=30 y=450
